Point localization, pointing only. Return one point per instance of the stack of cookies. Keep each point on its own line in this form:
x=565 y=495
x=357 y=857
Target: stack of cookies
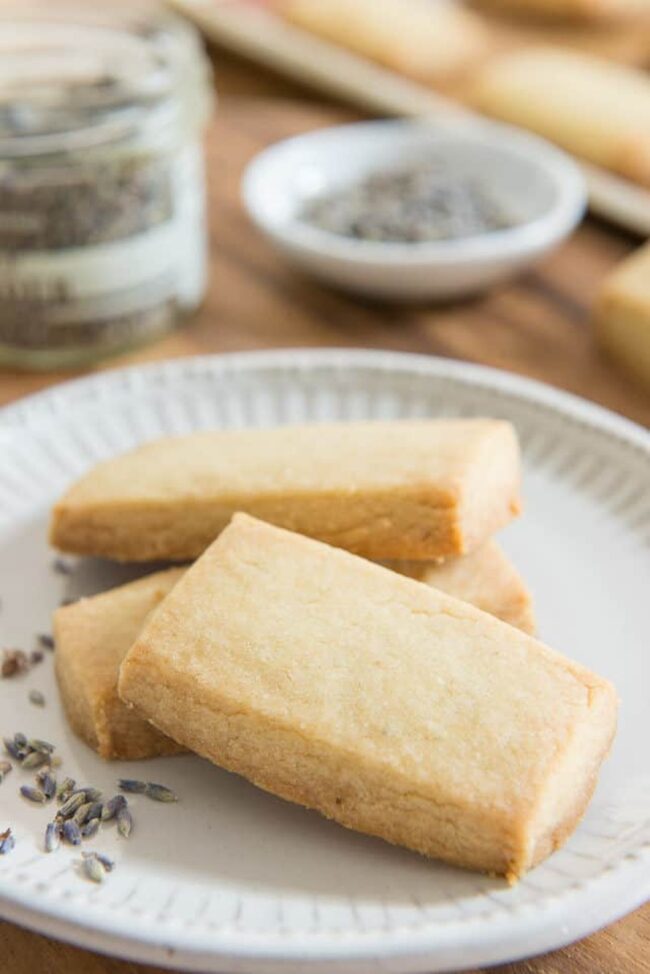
x=349 y=636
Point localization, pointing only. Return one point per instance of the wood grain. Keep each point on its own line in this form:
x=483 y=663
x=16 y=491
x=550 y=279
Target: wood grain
x=538 y=325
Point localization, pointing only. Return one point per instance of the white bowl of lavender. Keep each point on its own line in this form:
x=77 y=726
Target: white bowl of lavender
x=414 y=210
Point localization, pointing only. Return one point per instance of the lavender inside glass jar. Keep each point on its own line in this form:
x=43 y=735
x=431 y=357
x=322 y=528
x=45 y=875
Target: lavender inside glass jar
x=102 y=195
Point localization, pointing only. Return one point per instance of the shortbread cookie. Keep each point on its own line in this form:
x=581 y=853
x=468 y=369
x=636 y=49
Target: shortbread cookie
x=623 y=314
x=413 y=489
x=429 y=42
x=383 y=703
x=94 y=634
x=594 y=108
x=486 y=578
x=92 y=637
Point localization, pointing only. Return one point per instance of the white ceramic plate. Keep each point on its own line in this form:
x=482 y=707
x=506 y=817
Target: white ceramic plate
x=233 y=880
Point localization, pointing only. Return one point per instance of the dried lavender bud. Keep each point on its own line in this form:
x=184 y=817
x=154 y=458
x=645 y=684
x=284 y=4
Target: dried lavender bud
x=32 y=794
x=94 y=869
x=132 y=786
x=92 y=794
x=71 y=804
x=7 y=842
x=95 y=811
x=106 y=861
x=52 y=837
x=71 y=832
x=112 y=807
x=35 y=759
x=81 y=814
x=37 y=698
x=10 y=747
x=13 y=662
x=47 y=784
x=66 y=789
x=160 y=793
x=124 y=822
x=38 y=745
x=90 y=828
x=13 y=750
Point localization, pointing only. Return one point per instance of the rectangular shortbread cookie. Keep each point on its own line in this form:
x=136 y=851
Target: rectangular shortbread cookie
x=594 y=108
x=428 y=42
x=623 y=314
x=414 y=489
x=94 y=635
x=385 y=704
x=485 y=577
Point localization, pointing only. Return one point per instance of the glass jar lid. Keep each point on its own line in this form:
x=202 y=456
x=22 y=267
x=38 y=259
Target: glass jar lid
x=78 y=75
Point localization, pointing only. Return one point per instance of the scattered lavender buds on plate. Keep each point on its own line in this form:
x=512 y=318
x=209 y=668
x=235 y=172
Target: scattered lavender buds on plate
x=105 y=860
x=112 y=807
x=13 y=662
x=124 y=822
x=35 y=759
x=160 y=793
x=66 y=789
x=71 y=832
x=71 y=804
x=47 y=783
x=32 y=794
x=92 y=794
x=95 y=811
x=132 y=786
x=52 y=837
x=87 y=812
x=90 y=828
x=38 y=745
x=93 y=868
x=13 y=750
x=81 y=814
x=7 y=842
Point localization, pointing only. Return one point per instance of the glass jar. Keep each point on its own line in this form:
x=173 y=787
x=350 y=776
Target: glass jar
x=102 y=190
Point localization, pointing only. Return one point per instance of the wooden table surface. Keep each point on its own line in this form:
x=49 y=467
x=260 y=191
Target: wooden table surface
x=537 y=325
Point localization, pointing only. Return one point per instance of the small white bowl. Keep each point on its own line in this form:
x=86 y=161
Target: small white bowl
x=541 y=184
